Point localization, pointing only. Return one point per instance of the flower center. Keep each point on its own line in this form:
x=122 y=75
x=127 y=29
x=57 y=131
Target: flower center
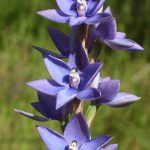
x=81 y=7
x=73 y=145
x=74 y=78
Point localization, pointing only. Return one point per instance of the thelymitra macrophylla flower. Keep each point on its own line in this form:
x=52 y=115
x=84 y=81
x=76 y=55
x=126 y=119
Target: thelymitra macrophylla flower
x=76 y=137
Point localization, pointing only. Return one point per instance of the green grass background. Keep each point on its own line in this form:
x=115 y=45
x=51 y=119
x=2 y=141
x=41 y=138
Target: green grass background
x=21 y=28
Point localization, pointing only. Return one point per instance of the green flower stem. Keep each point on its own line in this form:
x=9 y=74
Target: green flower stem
x=90 y=114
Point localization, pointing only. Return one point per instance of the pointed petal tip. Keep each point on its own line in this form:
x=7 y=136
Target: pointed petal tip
x=40 y=12
x=29 y=83
x=16 y=110
x=123 y=100
x=136 y=46
x=140 y=48
x=39 y=128
x=137 y=99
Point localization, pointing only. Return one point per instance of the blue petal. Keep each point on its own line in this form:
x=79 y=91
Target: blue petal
x=123 y=99
x=49 y=87
x=95 y=6
x=53 y=140
x=44 y=51
x=88 y=94
x=75 y=21
x=91 y=5
x=47 y=106
x=107 y=29
x=31 y=116
x=105 y=79
x=66 y=7
x=77 y=129
x=108 y=10
x=108 y=90
x=54 y=15
x=89 y=74
x=65 y=96
x=98 y=18
x=120 y=35
x=58 y=69
x=96 y=143
x=123 y=44
x=60 y=40
x=79 y=58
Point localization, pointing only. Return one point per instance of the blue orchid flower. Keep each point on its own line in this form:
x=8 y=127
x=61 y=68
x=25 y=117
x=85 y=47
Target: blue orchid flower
x=47 y=107
x=71 y=80
x=76 y=137
x=77 y=12
x=111 y=96
x=106 y=32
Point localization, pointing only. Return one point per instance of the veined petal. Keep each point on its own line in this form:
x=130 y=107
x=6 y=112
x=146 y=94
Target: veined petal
x=123 y=99
x=65 y=96
x=88 y=94
x=77 y=129
x=31 y=116
x=123 y=44
x=49 y=87
x=60 y=40
x=44 y=51
x=54 y=15
x=53 y=140
x=75 y=21
x=96 y=143
x=89 y=74
x=108 y=90
x=66 y=6
x=96 y=6
x=58 y=69
x=98 y=18
x=110 y=147
x=107 y=29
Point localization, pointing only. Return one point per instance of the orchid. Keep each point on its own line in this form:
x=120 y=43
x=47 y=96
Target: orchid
x=76 y=12
x=47 y=107
x=70 y=81
x=76 y=136
x=76 y=76
x=111 y=96
x=106 y=32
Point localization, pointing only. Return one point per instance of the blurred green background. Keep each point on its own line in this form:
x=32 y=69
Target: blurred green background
x=21 y=28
